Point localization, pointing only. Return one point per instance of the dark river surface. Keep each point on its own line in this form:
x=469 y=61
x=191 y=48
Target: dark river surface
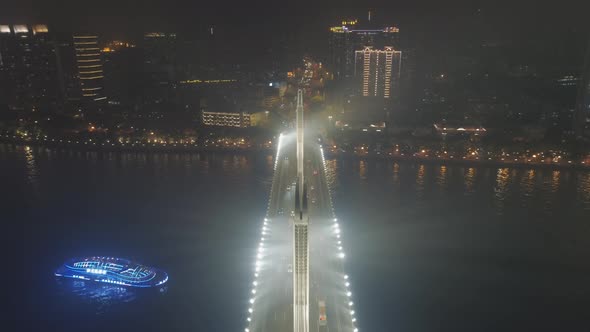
x=429 y=247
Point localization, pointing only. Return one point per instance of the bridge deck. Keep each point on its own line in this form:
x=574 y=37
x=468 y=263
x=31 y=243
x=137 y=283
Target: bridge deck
x=273 y=309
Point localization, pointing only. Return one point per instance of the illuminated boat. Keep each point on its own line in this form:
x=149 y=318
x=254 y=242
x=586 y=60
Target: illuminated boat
x=112 y=270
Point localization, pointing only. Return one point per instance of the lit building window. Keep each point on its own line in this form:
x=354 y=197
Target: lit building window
x=20 y=28
x=89 y=64
x=378 y=71
x=223 y=119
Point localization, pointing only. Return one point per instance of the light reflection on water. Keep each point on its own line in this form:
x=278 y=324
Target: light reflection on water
x=363 y=169
x=503 y=188
x=31 y=166
x=524 y=187
x=441 y=178
x=470 y=180
x=103 y=298
x=420 y=181
x=504 y=233
x=583 y=189
x=527 y=183
x=396 y=174
x=555 y=180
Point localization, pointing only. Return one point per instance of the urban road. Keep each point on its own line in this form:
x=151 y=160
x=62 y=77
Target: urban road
x=272 y=310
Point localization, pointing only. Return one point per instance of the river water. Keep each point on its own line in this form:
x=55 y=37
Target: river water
x=428 y=247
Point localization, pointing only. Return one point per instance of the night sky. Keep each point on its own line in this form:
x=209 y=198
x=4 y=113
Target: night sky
x=537 y=32
x=425 y=20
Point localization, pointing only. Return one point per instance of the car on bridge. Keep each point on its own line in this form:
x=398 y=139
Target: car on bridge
x=323 y=317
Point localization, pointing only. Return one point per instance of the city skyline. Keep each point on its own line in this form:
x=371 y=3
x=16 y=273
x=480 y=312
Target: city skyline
x=517 y=18
x=213 y=76
x=296 y=166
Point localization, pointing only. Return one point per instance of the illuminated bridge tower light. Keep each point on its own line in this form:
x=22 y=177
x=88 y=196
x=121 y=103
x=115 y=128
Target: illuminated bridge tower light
x=89 y=65
x=299 y=119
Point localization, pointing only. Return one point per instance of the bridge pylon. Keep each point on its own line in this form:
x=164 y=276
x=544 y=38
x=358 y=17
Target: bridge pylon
x=300 y=234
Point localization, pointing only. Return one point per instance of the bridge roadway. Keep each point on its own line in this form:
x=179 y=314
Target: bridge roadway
x=273 y=306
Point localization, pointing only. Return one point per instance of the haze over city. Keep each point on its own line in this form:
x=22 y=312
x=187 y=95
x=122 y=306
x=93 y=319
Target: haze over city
x=295 y=166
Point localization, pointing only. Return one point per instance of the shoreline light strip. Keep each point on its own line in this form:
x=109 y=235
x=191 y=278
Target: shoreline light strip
x=341 y=254
x=261 y=248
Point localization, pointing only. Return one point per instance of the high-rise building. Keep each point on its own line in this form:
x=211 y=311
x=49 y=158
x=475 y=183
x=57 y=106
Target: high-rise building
x=582 y=112
x=90 y=70
x=123 y=68
x=8 y=65
x=348 y=37
x=377 y=71
x=69 y=83
x=28 y=67
x=160 y=55
x=160 y=65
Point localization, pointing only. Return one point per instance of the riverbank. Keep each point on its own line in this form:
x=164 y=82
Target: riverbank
x=128 y=147
x=189 y=148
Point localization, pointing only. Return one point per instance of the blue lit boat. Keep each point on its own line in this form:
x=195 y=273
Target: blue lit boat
x=112 y=270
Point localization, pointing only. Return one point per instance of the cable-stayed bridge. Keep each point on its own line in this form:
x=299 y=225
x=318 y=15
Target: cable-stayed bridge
x=299 y=282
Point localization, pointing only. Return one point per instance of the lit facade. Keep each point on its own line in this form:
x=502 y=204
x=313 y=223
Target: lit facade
x=377 y=71
x=226 y=119
x=112 y=270
x=90 y=68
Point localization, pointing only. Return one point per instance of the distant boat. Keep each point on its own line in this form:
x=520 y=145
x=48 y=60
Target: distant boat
x=112 y=270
